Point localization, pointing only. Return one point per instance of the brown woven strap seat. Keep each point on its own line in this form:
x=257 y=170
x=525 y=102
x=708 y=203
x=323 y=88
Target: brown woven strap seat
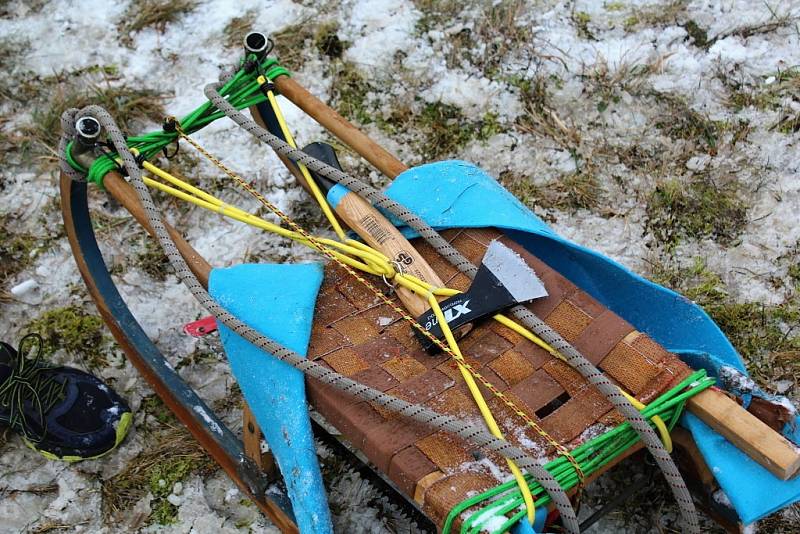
x=361 y=338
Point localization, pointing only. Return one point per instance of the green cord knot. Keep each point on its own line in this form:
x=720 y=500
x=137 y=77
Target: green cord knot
x=505 y=501
x=241 y=91
x=98 y=170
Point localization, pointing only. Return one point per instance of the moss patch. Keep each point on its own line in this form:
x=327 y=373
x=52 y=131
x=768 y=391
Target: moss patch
x=79 y=333
x=698 y=209
x=581 y=19
x=163 y=477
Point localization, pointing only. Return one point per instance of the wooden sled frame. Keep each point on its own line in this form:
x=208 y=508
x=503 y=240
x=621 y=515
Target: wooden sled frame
x=242 y=459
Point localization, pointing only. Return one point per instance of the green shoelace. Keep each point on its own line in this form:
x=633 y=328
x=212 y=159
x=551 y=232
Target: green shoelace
x=28 y=382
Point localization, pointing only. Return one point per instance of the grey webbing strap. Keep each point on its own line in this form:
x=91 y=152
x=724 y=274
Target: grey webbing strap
x=589 y=371
x=472 y=433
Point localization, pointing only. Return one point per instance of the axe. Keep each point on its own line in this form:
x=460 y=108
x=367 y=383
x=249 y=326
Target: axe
x=503 y=280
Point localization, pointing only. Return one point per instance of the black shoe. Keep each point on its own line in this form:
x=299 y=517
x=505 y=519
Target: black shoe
x=61 y=412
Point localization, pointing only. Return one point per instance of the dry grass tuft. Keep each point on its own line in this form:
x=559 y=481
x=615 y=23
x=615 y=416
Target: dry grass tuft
x=679 y=121
x=152 y=14
x=290 y=43
x=655 y=15
x=131 y=106
x=171 y=455
x=496 y=36
x=237 y=28
x=569 y=193
x=757 y=28
x=701 y=208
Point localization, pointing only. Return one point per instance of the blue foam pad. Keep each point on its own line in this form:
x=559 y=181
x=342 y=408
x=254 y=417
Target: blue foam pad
x=278 y=301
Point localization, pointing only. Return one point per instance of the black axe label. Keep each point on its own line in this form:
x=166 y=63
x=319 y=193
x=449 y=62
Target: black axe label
x=502 y=280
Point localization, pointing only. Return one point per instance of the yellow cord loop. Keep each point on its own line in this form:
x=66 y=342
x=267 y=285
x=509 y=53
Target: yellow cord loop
x=312 y=184
x=480 y=401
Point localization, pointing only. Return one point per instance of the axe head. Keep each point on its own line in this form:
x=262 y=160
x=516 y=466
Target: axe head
x=503 y=279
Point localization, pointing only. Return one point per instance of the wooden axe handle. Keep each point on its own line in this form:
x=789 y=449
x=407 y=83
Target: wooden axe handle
x=381 y=235
x=373 y=227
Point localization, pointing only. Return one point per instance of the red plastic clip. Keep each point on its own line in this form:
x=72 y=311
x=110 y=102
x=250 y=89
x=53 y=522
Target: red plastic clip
x=201 y=327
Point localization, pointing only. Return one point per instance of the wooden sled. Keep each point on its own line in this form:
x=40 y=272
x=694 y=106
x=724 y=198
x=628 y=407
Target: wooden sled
x=431 y=470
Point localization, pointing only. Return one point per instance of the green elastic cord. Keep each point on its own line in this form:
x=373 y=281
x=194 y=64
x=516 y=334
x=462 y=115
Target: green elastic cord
x=72 y=163
x=242 y=91
x=591 y=456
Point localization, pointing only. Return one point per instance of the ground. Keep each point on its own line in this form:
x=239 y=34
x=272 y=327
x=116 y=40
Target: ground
x=662 y=133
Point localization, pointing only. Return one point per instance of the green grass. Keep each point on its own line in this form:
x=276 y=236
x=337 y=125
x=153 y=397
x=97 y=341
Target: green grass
x=446 y=130
x=784 y=85
x=679 y=121
x=654 y=15
x=153 y=405
x=697 y=209
x=350 y=93
x=436 y=13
